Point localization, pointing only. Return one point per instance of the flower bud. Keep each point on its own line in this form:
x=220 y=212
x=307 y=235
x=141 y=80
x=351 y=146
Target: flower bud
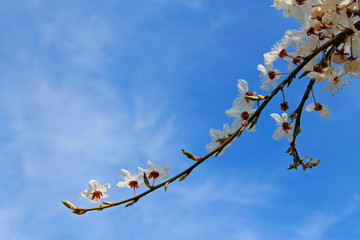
x=317 y=13
x=317 y=25
x=352 y=66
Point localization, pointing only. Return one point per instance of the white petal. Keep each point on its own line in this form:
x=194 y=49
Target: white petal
x=242 y=86
x=126 y=175
x=284 y=117
x=236 y=125
x=234 y=113
x=211 y=146
x=151 y=166
x=94 y=185
x=262 y=69
x=310 y=107
x=164 y=167
x=277 y=118
x=266 y=84
x=104 y=195
x=278 y=133
x=104 y=187
x=215 y=134
x=86 y=193
x=226 y=130
x=240 y=103
x=325 y=112
x=123 y=184
x=289 y=135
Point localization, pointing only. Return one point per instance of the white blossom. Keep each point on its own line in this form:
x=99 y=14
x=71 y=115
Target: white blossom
x=285 y=128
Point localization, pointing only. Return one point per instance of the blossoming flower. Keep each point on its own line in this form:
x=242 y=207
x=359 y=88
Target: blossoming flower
x=285 y=128
x=241 y=102
x=268 y=75
x=95 y=191
x=219 y=137
x=324 y=112
x=241 y=117
x=278 y=50
x=131 y=180
x=154 y=172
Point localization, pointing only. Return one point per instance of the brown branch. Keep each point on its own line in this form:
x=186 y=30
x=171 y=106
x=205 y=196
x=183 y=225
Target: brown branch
x=337 y=40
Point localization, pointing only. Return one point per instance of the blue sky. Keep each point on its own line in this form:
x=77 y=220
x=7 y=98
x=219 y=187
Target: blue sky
x=90 y=87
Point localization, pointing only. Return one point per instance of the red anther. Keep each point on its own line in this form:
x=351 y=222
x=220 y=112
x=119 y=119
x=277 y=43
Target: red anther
x=310 y=31
x=133 y=184
x=96 y=194
x=245 y=115
x=300 y=2
x=154 y=174
x=272 y=74
x=318 y=107
x=282 y=53
x=286 y=126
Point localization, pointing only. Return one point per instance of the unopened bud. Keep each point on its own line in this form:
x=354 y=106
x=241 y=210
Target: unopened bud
x=317 y=12
x=69 y=205
x=317 y=25
x=316 y=162
x=190 y=155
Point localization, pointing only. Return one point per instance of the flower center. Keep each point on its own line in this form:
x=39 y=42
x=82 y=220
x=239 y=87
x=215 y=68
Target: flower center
x=133 y=184
x=286 y=126
x=248 y=94
x=96 y=194
x=154 y=174
x=300 y=2
x=245 y=115
x=282 y=53
x=318 y=107
x=271 y=74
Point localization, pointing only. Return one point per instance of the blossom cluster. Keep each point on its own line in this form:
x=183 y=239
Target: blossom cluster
x=321 y=21
x=131 y=180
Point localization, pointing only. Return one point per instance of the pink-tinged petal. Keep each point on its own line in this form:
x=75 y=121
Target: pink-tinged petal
x=242 y=86
x=211 y=146
x=277 y=118
x=278 y=133
x=325 y=112
x=126 y=175
x=234 y=113
x=310 y=107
